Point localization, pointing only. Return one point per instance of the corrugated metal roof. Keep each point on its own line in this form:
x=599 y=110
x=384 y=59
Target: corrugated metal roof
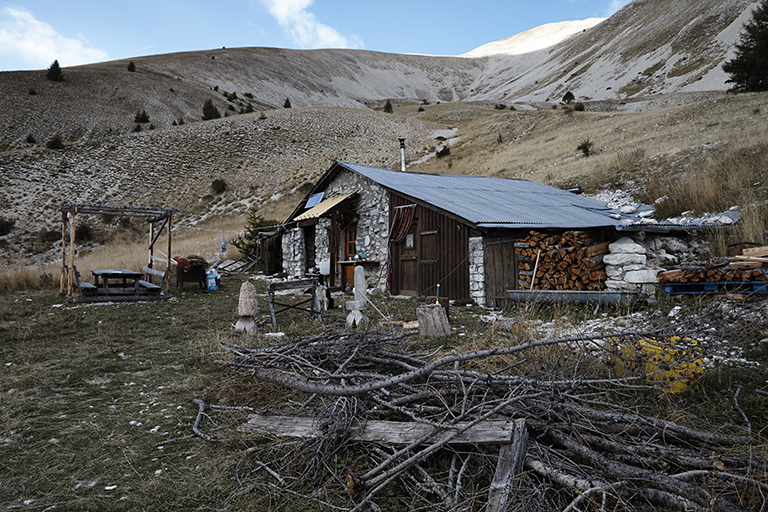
x=323 y=207
x=494 y=202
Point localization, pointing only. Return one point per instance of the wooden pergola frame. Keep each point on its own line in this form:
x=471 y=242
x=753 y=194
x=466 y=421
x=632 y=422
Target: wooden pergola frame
x=69 y=211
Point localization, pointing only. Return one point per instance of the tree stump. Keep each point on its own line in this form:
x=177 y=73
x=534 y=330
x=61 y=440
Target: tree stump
x=433 y=322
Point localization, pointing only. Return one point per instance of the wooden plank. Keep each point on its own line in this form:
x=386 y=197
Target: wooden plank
x=511 y=457
x=594 y=250
x=292 y=285
x=393 y=432
x=745 y=265
x=670 y=275
x=757 y=252
x=752 y=258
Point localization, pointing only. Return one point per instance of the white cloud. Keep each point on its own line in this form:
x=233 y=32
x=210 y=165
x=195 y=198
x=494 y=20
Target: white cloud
x=38 y=43
x=615 y=6
x=304 y=28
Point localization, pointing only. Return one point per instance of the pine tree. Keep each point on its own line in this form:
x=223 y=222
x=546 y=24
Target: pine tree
x=748 y=70
x=54 y=72
x=210 y=111
x=287 y=103
x=388 y=107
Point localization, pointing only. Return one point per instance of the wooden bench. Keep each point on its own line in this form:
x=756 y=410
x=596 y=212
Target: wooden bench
x=84 y=287
x=148 y=287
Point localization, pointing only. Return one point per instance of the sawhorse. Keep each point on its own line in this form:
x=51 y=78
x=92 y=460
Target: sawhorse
x=296 y=284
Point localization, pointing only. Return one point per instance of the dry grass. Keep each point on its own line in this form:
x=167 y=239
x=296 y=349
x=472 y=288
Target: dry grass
x=125 y=252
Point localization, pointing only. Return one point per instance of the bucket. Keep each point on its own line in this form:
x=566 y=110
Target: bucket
x=325 y=267
x=210 y=279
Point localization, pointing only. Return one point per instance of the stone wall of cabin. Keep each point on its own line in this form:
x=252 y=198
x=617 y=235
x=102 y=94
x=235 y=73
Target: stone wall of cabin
x=372 y=207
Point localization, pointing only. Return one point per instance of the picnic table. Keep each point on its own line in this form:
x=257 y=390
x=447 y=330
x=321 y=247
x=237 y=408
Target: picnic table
x=117 y=281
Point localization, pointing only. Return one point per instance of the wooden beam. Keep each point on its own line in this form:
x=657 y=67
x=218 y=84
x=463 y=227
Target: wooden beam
x=745 y=265
x=511 y=458
x=168 y=256
x=393 y=432
x=63 y=276
x=752 y=258
x=71 y=276
x=596 y=249
x=758 y=252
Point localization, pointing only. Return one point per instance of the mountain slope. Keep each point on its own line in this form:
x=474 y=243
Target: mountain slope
x=648 y=47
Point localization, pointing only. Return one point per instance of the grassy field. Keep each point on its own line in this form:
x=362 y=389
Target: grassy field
x=96 y=401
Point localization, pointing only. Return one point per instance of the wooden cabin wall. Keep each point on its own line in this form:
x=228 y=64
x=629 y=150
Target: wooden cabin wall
x=442 y=253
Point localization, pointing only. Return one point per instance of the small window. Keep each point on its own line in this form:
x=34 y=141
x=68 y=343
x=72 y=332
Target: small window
x=409 y=241
x=314 y=200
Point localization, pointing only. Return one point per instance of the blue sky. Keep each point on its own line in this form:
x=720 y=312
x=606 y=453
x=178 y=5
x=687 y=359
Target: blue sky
x=33 y=33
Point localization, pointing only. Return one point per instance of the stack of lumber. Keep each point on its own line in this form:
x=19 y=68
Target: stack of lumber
x=572 y=260
x=748 y=267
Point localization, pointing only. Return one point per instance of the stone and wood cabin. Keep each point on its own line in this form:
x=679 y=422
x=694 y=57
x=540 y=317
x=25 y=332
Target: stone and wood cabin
x=473 y=235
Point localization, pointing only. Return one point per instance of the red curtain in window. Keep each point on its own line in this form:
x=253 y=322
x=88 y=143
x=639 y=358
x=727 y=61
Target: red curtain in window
x=401 y=222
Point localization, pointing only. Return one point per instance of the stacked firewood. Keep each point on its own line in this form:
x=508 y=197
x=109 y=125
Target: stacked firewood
x=745 y=268
x=572 y=260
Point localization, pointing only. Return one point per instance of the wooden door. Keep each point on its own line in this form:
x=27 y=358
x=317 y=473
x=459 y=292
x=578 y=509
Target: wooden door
x=350 y=249
x=501 y=271
x=409 y=263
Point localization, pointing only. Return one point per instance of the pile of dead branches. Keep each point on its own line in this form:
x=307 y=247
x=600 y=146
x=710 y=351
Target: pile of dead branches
x=577 y=450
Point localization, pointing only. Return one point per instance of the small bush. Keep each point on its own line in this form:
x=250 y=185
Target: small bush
x=55 y=142
x=84 y=232
x=6 y=225
x=210 y=111
x=30 y=139
x=287 y=103
x=388 y=107
x=579 y=107
x=32 y=91
x=49 y=236
x=218 y=186
x=569 y=98
x=141 y=117
x=500 y=106
x=137 y=128
x=585 y=146
x=131 y=67
x=421 y=109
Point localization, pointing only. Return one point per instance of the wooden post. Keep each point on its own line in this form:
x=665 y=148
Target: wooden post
x=151 y=248
x=168 y=257
x=535 y=268
x=63 y=276
x=71 y=278
x=511 y=458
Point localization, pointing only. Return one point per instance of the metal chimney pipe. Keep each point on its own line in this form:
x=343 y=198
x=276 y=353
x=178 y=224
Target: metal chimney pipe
x=402 y=154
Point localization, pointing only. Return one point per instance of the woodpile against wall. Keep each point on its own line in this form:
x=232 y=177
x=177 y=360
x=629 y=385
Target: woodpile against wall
x=572 y=260
x=749 y=267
